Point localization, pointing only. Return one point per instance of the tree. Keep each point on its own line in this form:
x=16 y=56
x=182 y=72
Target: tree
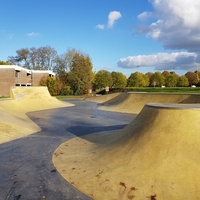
x=62 y=68
x=165 y=74
x=157 y=79
x=171 y=80
x=138 y=79
x=80 y=76
x=21 y=57
x=182 y=81
x=33 y=58
x=198 y=77
x=47 y=57
x=102 y=79
x=50 y=83
x=149 y=74
x=64 y=61
x=192 y=78
x=119 y=80
x=5 y=62
x=55 y=86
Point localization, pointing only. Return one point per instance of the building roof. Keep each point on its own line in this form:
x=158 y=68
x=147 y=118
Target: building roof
x=18 y=68
x=43 y=71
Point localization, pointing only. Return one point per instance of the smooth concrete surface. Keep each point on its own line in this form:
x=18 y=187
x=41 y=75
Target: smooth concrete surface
x=154 y=157
x=26 y=169
x=134 y=102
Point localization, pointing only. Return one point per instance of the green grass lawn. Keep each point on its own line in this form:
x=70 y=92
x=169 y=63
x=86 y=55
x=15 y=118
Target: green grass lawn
x=180 y=90
x=3 y=97
x=71 y=97
x=170 y=90
x=176 y=90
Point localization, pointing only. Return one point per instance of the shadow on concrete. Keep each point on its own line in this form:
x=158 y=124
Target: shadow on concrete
x=82 y=130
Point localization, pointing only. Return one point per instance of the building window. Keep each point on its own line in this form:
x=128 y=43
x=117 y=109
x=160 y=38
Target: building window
x=17 y=74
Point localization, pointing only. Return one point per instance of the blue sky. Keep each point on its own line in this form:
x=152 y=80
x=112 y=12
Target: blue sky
x=118 y=35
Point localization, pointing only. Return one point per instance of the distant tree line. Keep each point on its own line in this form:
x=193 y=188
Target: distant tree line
x=5 y=62
x=75 y=76
x=137 y=79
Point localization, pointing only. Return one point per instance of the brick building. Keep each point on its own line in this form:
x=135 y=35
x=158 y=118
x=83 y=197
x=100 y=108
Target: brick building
x=13 y=75
x=37 y=75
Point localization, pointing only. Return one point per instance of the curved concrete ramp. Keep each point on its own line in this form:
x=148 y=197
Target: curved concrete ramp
x=27 y=99
x=155 y=157
x=134 y=102
x=13 y=121
x=102 y=98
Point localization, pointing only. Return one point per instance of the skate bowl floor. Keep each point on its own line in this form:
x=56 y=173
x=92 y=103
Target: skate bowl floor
x=13 y=120
x=156 y=156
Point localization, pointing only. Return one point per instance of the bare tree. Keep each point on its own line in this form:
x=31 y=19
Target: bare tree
x=35 y=58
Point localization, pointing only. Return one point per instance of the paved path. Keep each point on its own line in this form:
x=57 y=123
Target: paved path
x=26 y=170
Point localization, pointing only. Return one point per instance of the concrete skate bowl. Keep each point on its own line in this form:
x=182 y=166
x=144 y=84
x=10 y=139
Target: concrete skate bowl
x=35 y=98
x=13 y=120
x=102 y=98
x=156 y=156
x=134 y=102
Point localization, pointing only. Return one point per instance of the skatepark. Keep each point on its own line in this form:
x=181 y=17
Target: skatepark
x=23 y=100
x=117 y=146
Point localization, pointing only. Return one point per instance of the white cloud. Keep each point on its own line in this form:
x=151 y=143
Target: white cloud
x=33 y=34
x=177 y=24
x=113 y=17
x=100 y=26
x=144 y=15
x=160 y=61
